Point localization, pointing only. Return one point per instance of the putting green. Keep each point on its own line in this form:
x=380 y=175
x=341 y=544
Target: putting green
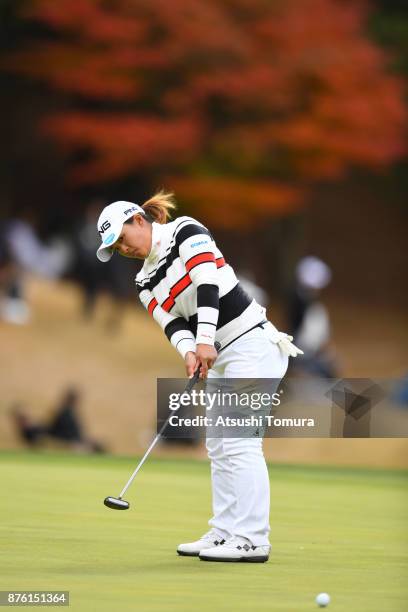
x=343 y=531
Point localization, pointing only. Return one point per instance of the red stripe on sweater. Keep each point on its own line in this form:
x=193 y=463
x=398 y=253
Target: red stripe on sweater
x=199 y=259
x=168 y=304
x=180 y=285
x=152 y=305
x=184 y=282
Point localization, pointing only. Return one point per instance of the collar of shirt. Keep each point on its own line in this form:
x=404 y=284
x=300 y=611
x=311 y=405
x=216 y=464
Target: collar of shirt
x=157 y=235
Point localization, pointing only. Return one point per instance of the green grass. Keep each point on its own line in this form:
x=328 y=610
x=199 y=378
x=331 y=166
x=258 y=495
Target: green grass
x=343 y=531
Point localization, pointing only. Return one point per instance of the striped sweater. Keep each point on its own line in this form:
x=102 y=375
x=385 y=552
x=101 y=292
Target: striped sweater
x=190 y=290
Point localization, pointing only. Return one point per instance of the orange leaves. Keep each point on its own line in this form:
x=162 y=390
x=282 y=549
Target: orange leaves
x=121 y=143
x=87 y=18
x=228 y=202
x=261 y=93
x=80 y=70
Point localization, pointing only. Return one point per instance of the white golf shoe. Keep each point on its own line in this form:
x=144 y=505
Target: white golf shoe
x=236 y=549
x=211 y=539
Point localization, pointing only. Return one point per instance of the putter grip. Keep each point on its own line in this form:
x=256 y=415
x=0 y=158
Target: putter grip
x=196 y=376
x=192 y=381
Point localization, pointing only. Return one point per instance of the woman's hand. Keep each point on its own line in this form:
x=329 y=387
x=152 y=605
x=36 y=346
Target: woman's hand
x=190 y=361
x=204 y=358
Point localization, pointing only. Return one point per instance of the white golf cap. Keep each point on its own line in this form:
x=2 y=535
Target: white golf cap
x=110 y=224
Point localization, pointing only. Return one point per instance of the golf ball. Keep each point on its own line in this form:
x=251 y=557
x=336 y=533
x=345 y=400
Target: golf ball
x=323 y=600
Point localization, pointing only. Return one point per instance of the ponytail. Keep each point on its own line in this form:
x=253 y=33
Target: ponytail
x=158 y=208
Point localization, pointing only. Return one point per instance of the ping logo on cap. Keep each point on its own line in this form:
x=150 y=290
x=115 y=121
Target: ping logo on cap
x=129 y=210
x=105 y=225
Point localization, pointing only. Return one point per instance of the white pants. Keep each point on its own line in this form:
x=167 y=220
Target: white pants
x=239 y=475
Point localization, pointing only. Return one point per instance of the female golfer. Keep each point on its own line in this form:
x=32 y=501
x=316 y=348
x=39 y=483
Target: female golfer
x=194 y=295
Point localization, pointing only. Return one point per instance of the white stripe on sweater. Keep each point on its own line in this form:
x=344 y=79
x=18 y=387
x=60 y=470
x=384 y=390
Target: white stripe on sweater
x=182 y=269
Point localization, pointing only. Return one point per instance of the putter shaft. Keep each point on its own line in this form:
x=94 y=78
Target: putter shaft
x=188 y=388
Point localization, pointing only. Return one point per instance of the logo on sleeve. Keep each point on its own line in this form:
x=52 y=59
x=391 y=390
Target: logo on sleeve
x=196 y=244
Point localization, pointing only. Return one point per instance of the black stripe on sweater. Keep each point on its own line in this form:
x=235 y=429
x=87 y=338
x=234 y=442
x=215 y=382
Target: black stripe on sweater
x=187 y=231
x=231 y=306
x=179 y=324
x=172 y=241
x=192 y=229
x=208 y=295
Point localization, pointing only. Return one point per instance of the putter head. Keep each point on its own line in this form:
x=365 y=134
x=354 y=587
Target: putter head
x=115 y=503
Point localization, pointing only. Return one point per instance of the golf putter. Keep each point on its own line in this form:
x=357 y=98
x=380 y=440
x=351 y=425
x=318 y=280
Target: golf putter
x=118 y=503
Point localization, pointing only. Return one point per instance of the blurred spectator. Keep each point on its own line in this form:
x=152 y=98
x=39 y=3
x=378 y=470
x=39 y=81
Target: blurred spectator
x=22 y=251
x=309 y=321
x=64 y=427
x=12 y=309
x=87 y=268
x=115 y=277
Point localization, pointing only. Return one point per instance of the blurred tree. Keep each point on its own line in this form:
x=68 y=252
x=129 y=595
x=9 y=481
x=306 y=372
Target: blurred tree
x=238 y=105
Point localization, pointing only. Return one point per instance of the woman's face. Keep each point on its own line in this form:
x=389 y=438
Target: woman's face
x=135 y=240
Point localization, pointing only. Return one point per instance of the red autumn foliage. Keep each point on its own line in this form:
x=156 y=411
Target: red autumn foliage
x=232 y=101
